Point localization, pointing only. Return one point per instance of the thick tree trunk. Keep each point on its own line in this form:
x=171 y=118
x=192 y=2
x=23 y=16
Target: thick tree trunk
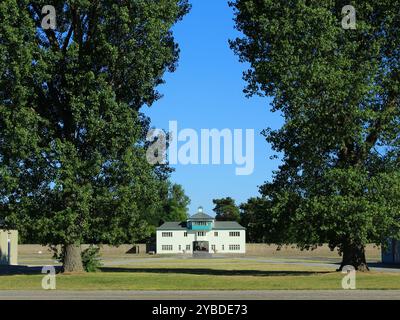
x=72 y=258
x=354 y=255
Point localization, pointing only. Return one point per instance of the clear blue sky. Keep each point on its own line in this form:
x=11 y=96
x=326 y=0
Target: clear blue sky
x=206 y=92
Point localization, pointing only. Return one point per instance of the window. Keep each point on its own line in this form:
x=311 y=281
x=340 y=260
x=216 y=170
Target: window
x=188 y=247
x=213 y=247
x=166 y=247
x=167 y=234
x=215 y=234
x=200 y=223
x=201 y=234
x=234 y=234
x=223 y=247
x=185 y=234
x=234 y=247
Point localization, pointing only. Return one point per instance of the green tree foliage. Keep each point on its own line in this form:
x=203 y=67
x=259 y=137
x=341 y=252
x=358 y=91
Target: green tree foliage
x=266 y=220
x=72 y=138
x=176 y=208
x=226 y=210
x=91 y=259
x=252 y=214
x=255 y=216
x=174 y=204
x=338 y=91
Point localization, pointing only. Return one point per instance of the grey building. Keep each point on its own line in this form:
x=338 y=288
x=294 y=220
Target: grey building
x=8 y=246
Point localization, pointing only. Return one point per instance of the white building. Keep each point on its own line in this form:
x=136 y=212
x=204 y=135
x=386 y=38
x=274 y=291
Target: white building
x=201 y=233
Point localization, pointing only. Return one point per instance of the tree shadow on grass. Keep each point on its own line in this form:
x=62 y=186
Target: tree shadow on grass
x=6 y=270
x=214 y=272
x=384 y=265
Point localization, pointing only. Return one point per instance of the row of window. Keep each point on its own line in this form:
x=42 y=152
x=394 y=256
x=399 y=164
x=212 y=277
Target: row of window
x=232 y=247
x=200 y=223
x=167 y=234
x=200 y=234
x=169 y=247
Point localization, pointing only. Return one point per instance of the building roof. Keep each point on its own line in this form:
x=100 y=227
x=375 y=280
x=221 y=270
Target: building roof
x=200 y=215
x=218 y=225
x=172 y=226
x=227 y=225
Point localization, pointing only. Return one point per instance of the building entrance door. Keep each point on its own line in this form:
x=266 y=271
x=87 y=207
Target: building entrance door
x=202 y=246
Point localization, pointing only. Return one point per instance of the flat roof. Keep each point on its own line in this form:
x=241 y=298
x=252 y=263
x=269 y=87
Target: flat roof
x=221 y=225
x=173 y=226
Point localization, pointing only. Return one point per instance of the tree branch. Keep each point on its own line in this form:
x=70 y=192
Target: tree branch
x=373 y=136
x=67 y=38
x=92 y=17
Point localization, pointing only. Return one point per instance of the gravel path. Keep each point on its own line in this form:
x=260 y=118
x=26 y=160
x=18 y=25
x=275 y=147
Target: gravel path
x=334 y=266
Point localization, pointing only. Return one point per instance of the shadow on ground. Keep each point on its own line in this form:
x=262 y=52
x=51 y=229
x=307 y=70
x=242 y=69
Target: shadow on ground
x=213 y=272
x=27 y=270
x=22 y=270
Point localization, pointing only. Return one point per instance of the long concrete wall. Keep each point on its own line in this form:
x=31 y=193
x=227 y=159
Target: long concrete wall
x=28 y=249
x=252 y=249
x=260 y=249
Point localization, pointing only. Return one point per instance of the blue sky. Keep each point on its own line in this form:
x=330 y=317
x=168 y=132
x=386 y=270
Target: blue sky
x=206 y=92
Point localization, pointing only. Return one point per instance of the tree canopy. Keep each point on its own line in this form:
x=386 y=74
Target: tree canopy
x=174 y=205
x=177 y=202
x=226 y=209
x=338 y=91
x=72 y=137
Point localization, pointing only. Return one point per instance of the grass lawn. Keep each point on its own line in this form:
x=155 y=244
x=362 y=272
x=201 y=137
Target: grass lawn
x=222 y=274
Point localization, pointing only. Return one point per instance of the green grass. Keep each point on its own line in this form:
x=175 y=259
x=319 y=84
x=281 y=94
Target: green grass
x=216 y=274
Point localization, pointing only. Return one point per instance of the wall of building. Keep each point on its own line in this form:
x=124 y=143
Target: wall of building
x=222 y=242
x=9 y=255
x=177 y=239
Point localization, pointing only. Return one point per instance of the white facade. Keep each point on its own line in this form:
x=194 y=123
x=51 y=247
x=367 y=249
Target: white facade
x=194 y=235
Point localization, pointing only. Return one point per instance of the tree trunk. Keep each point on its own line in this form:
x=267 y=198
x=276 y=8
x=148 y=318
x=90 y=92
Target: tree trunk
x=72 y=258
x=354 y=255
